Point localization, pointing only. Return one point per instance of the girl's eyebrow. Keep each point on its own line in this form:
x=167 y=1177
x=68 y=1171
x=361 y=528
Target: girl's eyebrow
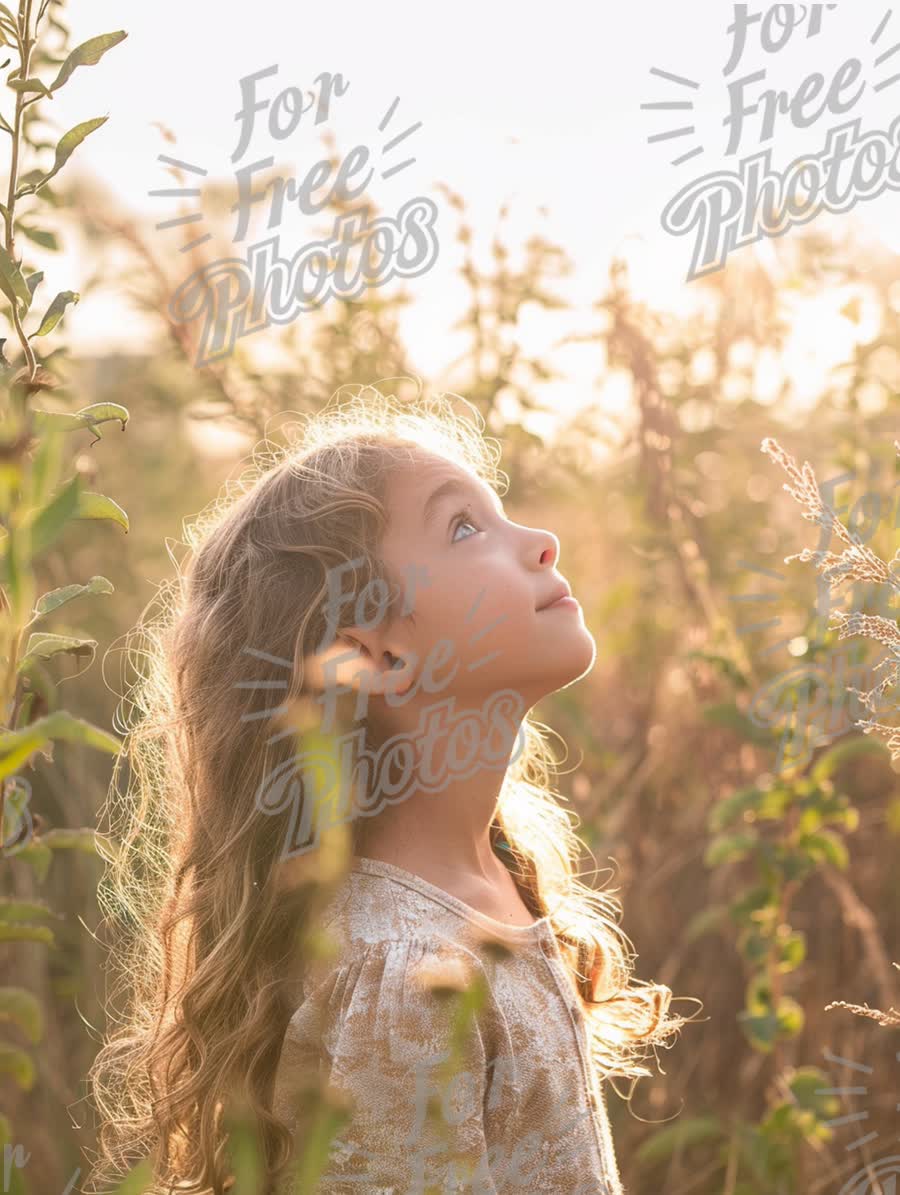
x=445 y=490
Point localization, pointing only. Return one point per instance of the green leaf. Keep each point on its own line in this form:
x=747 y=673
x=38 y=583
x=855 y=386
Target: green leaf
x=29 y=182
x=755 y=904
x=48 y=523
x=835 y=757
x=28 y=85
x=98 y=506
x=24 y=1010
x=729 y=809
x=17 y=746
x=810 y=1087
x=92 y=417
x=33 y=281
x=71 y=503
x=791 y=950
x=83 y=839
x=750 y=804
x=764 y=1157
x=42 y=645
x=54 y=312
x=12 y=283
x=825 y=847
x=24 y=910
x=822 y=805
x=55 y=598
x=17 y=575
x=791 y=1017
x=42 y=237
x=760 y=1030
x=790 y=863
x=17 y=1063
x=704 y=922
x=695 y=1130
x=137 y=1180
x=245 y=1153
x=46 y=466
x=754 y=944
x=18 y=823
x=67 y=145
x=37 y=856
x=23 y=931
x=728 y=848
x=88 y=53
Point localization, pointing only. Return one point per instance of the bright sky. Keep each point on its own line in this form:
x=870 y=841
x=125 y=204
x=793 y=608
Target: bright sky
x=518 y=103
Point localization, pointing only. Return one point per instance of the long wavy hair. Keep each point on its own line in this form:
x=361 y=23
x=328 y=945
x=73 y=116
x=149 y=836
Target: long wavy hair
x=212 y=925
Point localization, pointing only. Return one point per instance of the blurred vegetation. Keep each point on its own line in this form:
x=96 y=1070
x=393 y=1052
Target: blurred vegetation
x=762 y=882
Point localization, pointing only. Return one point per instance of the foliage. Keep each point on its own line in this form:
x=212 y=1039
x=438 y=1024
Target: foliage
x=37 y=505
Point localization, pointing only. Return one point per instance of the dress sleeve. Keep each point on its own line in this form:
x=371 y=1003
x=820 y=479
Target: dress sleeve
x=414 y=1088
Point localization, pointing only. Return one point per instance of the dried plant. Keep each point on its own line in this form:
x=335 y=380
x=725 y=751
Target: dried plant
x=855 y=563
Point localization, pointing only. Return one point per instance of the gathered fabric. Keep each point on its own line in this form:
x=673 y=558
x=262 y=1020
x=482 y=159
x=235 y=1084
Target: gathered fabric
x=520 y=1110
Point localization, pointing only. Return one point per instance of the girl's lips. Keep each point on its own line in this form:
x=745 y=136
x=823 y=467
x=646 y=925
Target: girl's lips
x=569 y=603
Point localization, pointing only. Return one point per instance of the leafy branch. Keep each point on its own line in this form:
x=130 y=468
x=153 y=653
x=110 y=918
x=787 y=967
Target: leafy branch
x=19 y=33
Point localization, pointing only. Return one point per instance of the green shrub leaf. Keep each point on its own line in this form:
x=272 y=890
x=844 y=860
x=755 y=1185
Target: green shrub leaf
x=96 y=413
x=824 y=846
x=24 y=931
x=55 y=311
x=43 y=645
x=98 y=506
x=17 y=1063
x=137 y=1180
x=24 y=910
x=17 y=746
x=61 y=839
x=12 y=283
x=835 y=757
x=728 y=848
x=24 y=1010
x=37 y=856
x=28 y=85
x=695 y=1130
x=67 y=145
x=55 y=598
x=88 y=53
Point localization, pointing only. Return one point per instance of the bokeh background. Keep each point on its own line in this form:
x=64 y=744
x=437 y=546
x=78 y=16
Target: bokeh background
x=631 y=404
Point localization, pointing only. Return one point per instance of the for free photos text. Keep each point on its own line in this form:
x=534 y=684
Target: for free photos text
x=236 y=296
x=333 y=784
x=727 y=210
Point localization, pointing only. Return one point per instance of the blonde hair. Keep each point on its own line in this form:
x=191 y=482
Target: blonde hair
x=210 y=939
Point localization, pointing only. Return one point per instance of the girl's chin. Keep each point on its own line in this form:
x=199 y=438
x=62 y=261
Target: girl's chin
x=570 y=663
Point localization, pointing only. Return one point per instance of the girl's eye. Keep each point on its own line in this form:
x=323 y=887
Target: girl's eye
x=461 y=519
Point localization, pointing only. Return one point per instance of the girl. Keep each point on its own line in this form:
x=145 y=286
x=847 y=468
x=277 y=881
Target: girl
x=384 y=926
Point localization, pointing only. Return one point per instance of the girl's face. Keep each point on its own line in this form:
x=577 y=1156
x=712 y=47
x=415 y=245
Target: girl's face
x=477 y=581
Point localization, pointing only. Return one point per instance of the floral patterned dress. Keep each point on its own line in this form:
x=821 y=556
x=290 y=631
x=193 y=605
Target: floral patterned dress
x=510 y=1107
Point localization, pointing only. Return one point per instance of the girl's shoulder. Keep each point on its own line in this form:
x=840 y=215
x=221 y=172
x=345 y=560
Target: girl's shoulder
x=381 y=1002
x=384 y=960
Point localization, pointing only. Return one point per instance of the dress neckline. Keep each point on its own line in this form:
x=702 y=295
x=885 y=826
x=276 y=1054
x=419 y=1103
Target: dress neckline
x=538 y=929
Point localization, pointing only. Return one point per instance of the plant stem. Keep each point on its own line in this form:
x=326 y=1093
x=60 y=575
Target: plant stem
x=26 y=45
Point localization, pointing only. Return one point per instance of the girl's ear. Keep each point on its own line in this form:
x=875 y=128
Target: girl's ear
x=360 y=660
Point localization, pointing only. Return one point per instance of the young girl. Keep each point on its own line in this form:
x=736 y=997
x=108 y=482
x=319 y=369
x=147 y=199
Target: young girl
x=348 y=888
